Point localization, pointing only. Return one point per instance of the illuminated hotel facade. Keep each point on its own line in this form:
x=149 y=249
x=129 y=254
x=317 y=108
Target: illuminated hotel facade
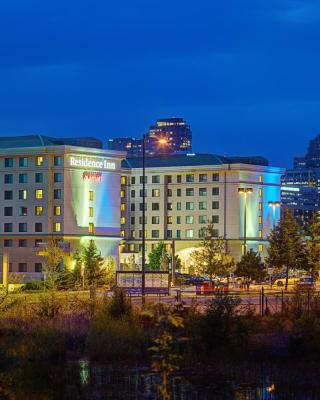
x=184 y=192
x=55 y=188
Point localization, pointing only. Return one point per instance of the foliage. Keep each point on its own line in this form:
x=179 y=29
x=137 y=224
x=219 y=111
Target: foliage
x=52 y=259
x=178 y=262
x=34 y=285
x=120 y=306
x=110 y=271
x=212 y=258
x=92 y=261
x=77 y=277
x=251 y=267
x=158 y=258
x=286 y=247
x=48 y=306
x=312 y=236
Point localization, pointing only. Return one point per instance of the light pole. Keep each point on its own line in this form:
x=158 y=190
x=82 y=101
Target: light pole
x=245 y=191
x=274 y=204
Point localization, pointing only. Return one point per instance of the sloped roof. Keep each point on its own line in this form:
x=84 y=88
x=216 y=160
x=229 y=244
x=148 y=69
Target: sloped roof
x=12 y=142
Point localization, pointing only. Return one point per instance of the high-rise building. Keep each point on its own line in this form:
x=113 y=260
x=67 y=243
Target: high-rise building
x=300 y=190
x=175 y=131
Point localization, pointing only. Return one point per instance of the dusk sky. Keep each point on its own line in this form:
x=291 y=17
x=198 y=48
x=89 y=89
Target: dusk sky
x=244 y=73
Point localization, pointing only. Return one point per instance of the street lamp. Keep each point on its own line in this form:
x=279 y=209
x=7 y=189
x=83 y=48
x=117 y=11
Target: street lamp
x=160 y=141
x=274 y=204
x=245 y=192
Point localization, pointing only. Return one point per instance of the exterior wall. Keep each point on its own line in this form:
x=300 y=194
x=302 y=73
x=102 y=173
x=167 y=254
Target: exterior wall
x=76 y=182
x=265 y=182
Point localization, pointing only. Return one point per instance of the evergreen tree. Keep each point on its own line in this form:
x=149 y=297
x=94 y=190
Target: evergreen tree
x=51 y=266
x=211 y=258
x=156 y=257
x=312 y=237
x=286 y=247
x=77 y=268
x=250 y=267
x=92 y=261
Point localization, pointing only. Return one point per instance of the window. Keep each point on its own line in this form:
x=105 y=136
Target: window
x=57 y=177
x=133 y=193
x=145 y=193
x=260 y=219
x=215 y=177
x=260 y=178
x=39 y=194
x=133 y=180
x=23 y=162
x=215 y=205
x=178 y=192
x=169 y=192
x=189 y=233
x=22 y=267
x=260 y=248
x=91 y=195
x=155 y=220
x=7 y=227
x=145 y=179
x=8 y=162
x=23 y=194
x=155 y=206
x=189 y=178
x=123 y=207
x=168 y=179
x=260 y=206
x=215 y=191
x=178 y=234
x=10 y=266
x=133 y=236
x=57 y=227
x=179 y=178
x=8 y=195
x=260 y=192
x=8 y=178
x=23 y=211
x=203 y=177
x=122 y=194
x=38 y=267
x=132 y=220
x=169 y=207
x=155 y=178
x=203 y=219
x=202 y=232
x=122 y=220
x=38 y=177
x=145 y=234
x=140 y=220
x=39 y=161
x=37 y=242
x=169 y=234
x=23 y=243
x=145 y=206
x=7 y=243
x=57 y=194
x=178 y=219
x=23 y=227
x=189 y=219
x=8 y=211
x=90 y=212
x=215 y=219
x=169 y=219
x=57 y=210
x=133 y=207
x=155 y=234
x=57 y=161
x=202 y=191
x=189 y=192
x=202 y=205
x=38 y=227
x=179 y=206
x=23 y=178
x=123 y=180
x=215 y=232
x=38 y=210
x=122 y=233
x=260 y=233
x=190 y=205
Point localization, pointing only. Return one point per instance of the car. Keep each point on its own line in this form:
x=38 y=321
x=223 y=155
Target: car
x=282 y=281
x=306 y=283
x=196 y=280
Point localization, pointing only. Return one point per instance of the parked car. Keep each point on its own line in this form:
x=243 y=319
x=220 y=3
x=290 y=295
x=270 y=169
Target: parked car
x=306 y=283
x=282 y=281
x=196 y=280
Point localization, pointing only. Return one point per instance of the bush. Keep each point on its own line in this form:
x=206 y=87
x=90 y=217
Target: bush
x=34 y=285
x=119 y=305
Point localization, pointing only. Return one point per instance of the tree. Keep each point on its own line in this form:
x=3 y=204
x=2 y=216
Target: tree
x=251 y=267
x=52 y=259
x=286 y=247
x=77 y=267
x=157 y=257
x=110 y=271
x=212 y=258
x=92 y=261
x=312 y=238
x=178 y=262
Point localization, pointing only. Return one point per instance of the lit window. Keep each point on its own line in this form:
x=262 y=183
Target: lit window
x=91 y=227
x=260 y=219
x=169 y=219
x=260 y=233
x=39 y=194
x=179 y=206
x=23 y=194
x=123 y=207
x=38 y=210
x=122 y=233
x=260 y=178
x=260 y=206
x=122 y=220
x=122 y=193
x=123 y=180
x=39 y=161
x=189 y=233
x=155 y=192
x=260 y=192
x=57 y=227
x=202 y=205
x=189 y=206
x=57 y=210
x=260 y=248
x=90 y=195
x=189 y=219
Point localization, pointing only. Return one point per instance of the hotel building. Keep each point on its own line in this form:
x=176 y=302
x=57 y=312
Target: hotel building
x=63 y=188
x=184 y=192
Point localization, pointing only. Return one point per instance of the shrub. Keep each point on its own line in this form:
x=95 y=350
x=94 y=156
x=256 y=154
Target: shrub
x=119 y=305
x=34 y=285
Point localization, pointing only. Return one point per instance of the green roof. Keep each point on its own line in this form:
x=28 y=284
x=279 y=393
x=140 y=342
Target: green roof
x=12 y=142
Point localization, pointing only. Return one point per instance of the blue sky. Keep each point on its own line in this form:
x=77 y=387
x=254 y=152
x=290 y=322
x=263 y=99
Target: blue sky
x=244 y=74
